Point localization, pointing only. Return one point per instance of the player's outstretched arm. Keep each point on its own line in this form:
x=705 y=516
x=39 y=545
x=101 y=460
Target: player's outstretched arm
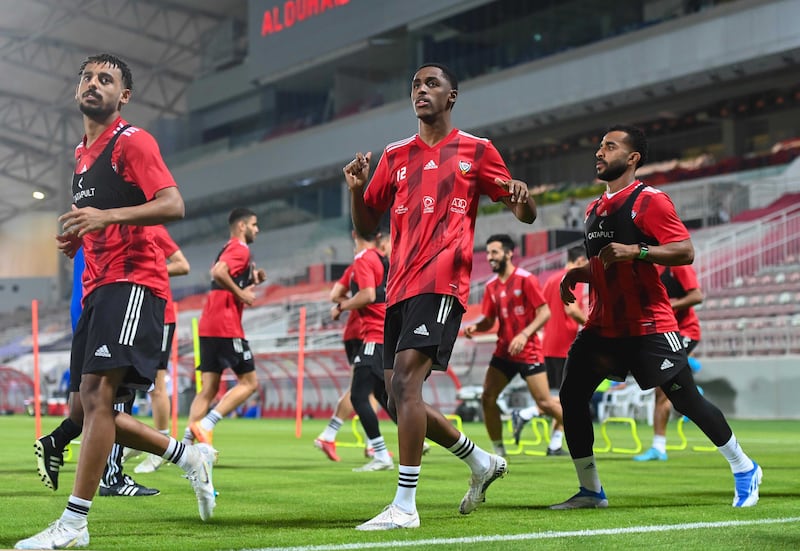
x=520 y=201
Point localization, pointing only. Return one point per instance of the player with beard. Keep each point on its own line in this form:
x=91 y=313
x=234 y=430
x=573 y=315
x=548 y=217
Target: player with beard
x=120 y=186
x=513 y=297
x=222 y=343
x=631 y=326
x=432 y=182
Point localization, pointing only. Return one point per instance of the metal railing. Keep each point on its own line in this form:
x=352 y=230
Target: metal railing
x=720 y=261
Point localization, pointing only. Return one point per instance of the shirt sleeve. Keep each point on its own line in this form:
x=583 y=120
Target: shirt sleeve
x=142 y=163
x=686 y=276
x=345 y=279
x=164 y=241
x=237 y=257
x=533 y=292
x=656 y=217
x=380 y=190
x=492 y=166
x=364 y=273
x=487 y=304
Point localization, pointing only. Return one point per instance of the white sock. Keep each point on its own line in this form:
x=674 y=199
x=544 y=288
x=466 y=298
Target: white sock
x=466 y=450
x=178 y=453
x=330 y=432
x=188 y=437
x=210 y=420
x=529 y=412
x=406 y=497
x=556 y=440
x=740 y=462
x=76 y=514
x=381 y=452
x=586 y=468
x=660 y=442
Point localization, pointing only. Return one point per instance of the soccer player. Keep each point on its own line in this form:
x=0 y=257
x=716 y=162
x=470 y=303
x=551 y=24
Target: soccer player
x=432 y=183
x=177 y=265
x=631 y=326
x=514 y=298
x=120 y=187
x=49 y=449
x=351 y=337
x=559 y=332
x=368 y=289
x=684 y=294
x=222 y=343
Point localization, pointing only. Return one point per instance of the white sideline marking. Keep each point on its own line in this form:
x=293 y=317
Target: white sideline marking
x=533 y=536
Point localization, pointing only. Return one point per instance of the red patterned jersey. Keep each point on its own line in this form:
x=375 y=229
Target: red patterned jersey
x=169 y=247
x=560 y=329
x=678 y=281
x=352 y=327
x=628 y=299
x=513 y=303
x=222 y=312
x=368 y=272
x=130 y=174
x=433 y=193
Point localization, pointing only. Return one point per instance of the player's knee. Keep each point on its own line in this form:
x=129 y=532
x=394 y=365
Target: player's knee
x=403 y=389
x=547 y=404
x=568 y=398
x=489 y=399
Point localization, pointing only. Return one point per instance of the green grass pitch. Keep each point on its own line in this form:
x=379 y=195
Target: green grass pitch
x=278 y=491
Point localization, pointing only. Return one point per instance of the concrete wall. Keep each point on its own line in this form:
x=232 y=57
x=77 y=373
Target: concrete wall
x=17 y=292
x=753 y=387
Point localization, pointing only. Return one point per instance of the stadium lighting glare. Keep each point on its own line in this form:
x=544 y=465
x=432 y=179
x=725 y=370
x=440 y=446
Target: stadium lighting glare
x=38 y=195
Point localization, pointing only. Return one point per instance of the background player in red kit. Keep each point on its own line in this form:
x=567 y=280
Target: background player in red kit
x=631 y=326
x=368 y=290
x=684 y=293
x=351 y=338
x=222 y=343
x=177 y=265
x=513 y=297
x=559 y=332
x=120 y=186
x=565 y=320
x=432 y=183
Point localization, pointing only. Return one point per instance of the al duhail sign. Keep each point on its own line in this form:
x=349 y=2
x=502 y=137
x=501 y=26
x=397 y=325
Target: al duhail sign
x=290 y=33
x=291 y=12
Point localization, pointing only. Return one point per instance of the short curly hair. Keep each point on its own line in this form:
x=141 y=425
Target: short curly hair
x=114 y=61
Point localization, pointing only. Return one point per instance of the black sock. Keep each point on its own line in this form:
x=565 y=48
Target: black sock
x=65 y=433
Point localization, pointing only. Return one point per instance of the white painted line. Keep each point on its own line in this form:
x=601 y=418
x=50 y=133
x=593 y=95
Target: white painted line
x=533 y=536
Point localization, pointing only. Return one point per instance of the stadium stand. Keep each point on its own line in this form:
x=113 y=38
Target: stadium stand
x=723 y=144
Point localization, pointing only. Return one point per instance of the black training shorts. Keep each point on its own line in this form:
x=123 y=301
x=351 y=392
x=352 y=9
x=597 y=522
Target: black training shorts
x=219 y=353
x=121 y=325
x=428 y=323
x=651 y=359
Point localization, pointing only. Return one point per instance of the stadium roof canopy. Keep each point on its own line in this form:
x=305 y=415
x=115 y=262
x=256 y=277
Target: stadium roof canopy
x=43 y=42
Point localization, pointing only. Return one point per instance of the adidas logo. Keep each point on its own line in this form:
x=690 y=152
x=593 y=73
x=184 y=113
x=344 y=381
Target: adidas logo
x=430 y=165
x=422 y=330
x=357 y=359
x=102 y=352
x=666 y=364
